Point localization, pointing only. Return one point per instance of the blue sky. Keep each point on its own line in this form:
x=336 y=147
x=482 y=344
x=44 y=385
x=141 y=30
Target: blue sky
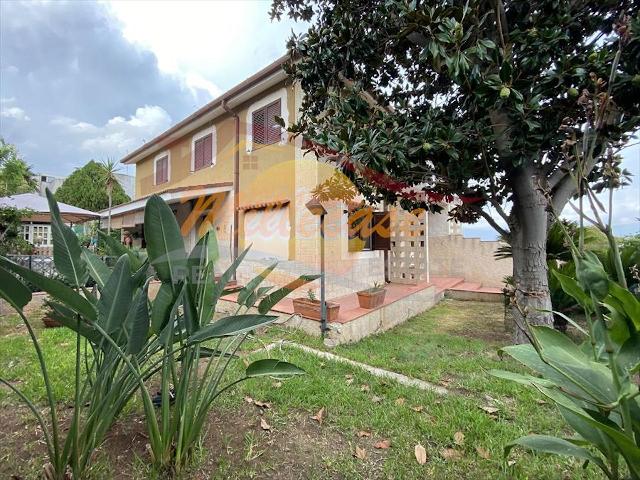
x=85 y=80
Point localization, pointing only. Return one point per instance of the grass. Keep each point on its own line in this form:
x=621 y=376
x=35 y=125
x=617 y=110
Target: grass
x=453 y=345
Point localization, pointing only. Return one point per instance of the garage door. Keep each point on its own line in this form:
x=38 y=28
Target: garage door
x=269 y=231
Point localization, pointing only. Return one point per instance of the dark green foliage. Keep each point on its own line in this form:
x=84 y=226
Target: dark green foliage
x=10 y=239
x=86 y=188
x=15 y=175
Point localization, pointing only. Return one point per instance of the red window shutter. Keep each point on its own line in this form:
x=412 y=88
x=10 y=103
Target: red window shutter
x=162 y=170
x=207 y=158
x=273 y=129
x=258 y=127
x=198 y=155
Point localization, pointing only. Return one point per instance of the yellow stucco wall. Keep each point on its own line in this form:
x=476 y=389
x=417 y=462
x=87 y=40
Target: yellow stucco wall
x=273 y=180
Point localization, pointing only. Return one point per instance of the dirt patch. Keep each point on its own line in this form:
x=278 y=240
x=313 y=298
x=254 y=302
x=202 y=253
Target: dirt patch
x=476 y=320
x=235 y=446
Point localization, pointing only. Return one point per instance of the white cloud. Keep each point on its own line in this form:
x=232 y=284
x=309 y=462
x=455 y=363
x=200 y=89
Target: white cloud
x=208 y=45
x=119 y=134
x=14 y=112
x=7 y=100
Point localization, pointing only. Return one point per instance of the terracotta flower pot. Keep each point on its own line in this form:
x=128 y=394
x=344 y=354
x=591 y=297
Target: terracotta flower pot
x=372 y=298
x=50 y=322
x=311 y=309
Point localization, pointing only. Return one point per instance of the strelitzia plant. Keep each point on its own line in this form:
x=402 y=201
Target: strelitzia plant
x=123 y=339
x=192 y=375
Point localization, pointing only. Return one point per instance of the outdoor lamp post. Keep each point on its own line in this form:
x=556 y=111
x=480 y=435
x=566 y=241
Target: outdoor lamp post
x=316 y=208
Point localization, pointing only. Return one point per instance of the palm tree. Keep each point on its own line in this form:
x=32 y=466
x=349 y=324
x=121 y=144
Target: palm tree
x=109 y=177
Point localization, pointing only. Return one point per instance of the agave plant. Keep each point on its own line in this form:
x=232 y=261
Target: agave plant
x=123 y=339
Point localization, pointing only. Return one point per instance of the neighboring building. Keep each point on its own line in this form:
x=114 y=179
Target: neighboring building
x=230 y=165
x=36 y=228
x=53 y=182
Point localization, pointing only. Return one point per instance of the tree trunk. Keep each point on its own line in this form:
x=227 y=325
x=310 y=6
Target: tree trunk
x=109 y=220
x=528 y=225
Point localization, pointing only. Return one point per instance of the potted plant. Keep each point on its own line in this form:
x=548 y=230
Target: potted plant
x=48 y=318
x=310 y=307
x=372 y=297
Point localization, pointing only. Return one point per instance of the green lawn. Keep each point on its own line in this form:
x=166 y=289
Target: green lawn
x=452 y=345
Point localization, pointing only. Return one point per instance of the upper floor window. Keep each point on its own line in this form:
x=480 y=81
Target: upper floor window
x=265 y=129
x=203 y=149
x=161 y=168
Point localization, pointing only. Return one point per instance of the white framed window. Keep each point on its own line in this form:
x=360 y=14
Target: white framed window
x=162 y=168
x=265 y=110
x=38 y=234
x=203 y=149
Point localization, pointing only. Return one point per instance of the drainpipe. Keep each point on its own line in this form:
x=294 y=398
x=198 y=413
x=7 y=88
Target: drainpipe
x=236 y=181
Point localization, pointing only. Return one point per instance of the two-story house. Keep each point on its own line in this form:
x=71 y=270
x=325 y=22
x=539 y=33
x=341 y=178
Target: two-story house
x=232 y=167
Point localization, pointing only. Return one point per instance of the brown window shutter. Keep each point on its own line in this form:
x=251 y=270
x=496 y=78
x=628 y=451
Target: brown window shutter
x=207 y=147
x=162 y=170
x=198 y=155
x=381 y=224
x=273 y=129
x=258 y=126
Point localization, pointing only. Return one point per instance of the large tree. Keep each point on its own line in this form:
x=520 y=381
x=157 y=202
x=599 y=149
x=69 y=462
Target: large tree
x=88 y=188
x=502 y=104
x=15 y=174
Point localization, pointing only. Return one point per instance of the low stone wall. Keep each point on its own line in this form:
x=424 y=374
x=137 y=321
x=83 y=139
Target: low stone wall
x=469 y=258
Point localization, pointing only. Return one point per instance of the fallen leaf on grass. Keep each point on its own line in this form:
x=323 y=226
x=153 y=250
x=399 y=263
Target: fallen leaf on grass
x=364 y=433
x=360 y=453
x=483 y=453
x=264 y=425
x=421 y=454
x=348 y=379
x=376 y=399
x=318 y=417
x=490 y=410
x=450 y=454
x=260 y=404
x=277 y=384
x=248 y=399
x=417 y=408
x=511 y=463
x=365 y=388
x=383 y=444
x=400 y=401
x=458 y=438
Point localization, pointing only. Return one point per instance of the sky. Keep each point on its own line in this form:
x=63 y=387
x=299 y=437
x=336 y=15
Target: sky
x=94 y=80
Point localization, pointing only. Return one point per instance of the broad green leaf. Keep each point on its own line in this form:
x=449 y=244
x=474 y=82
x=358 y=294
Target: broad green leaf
x=626 y=446
x=566 y=357
x=68 y=318
x=273 y=368
x=554 y=445
x=218 y=288
x=97 y=268
x=230 y=326
x=13 y=290
x=165 y=245
x=521 y=379
x=629 y=354
x=55 y=288
x=161 y=307
x=588 y=431
x=137 y=321
x=270 y=300
x=115 y=300
x=117 y=249
x=67 y=254
x=248 y=289
x=629 y=302
x=571 y=287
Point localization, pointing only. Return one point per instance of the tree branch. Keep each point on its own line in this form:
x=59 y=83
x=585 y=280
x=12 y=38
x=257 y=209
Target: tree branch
x=491 y=221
